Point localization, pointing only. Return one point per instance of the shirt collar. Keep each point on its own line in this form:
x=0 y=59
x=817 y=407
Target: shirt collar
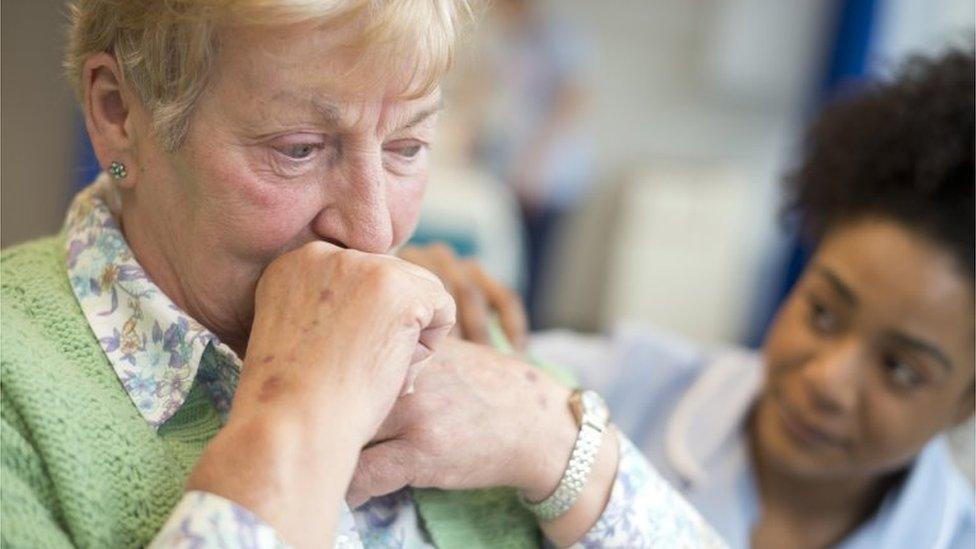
x=154 y=347
x=928 y=507
x=698 y=430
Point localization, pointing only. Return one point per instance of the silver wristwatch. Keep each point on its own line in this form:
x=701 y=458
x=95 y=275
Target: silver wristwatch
x=593 y=417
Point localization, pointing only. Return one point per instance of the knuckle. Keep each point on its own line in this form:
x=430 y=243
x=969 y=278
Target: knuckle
x=475 y=323
x=472 y=265
x=314 y=252
x=441 y=290
x=434 y=436
x=337 y=265
x=469 y=293
x=513 y=298
x=314 y=247
x=446 y=285
x=379 y=275
x=412 y=254
x=424 y=409
x=343 y=257
x=441 y=250
x=368 y=472
x=274 y=268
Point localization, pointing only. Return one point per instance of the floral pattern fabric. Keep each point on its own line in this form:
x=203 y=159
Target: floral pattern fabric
x=154 y=347
x=202 y=519
x=645 y=511
x=158 y=351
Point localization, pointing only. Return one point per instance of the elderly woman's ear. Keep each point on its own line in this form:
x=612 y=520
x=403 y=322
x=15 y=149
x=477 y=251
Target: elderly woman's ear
x=109 y=115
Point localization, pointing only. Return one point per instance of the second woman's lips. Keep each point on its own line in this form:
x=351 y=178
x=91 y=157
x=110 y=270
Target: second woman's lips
x=806 y=431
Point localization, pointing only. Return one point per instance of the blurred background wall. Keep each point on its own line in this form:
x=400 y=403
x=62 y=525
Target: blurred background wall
x=37 y=120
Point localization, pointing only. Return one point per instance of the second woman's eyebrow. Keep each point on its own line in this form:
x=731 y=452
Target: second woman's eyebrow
x=921 y=346
x=842 y=288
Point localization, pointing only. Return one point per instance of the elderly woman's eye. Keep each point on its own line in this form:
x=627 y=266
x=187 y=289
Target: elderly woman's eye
x=408 y=150
x=299 y=151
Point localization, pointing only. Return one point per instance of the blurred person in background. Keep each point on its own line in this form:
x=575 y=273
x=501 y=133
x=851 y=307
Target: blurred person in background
x=262 y=161
x=833 y=435
x=527 y=100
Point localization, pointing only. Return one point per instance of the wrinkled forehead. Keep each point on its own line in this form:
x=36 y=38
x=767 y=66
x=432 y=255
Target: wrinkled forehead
x=342 y=55
x=313 y=66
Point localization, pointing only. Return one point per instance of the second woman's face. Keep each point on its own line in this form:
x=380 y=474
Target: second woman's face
x=870 y=357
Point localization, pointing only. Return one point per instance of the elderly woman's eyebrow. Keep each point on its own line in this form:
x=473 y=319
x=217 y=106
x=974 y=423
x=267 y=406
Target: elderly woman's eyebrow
x=327 y=112
x=424 y=114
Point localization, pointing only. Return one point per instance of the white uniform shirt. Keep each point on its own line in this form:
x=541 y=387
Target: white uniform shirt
x=686 y=408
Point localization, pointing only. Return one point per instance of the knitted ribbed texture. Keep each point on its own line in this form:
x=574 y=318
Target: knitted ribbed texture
x=480 y=519
x=79 y=463
x=81 y=467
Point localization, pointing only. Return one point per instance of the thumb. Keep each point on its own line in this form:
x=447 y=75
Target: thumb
x=412 y=372
x=382 y=469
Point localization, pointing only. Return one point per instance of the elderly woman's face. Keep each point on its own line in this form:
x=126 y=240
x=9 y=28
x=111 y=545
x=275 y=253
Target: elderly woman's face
x=278 y=154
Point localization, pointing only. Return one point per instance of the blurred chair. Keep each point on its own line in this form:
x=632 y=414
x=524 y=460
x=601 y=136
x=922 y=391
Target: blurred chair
x=576 y=283
x=683 y=251
x=678 y=245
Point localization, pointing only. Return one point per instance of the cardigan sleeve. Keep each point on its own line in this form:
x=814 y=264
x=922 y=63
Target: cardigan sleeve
x=31 y=516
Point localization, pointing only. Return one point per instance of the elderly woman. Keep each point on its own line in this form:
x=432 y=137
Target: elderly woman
x=262 y=159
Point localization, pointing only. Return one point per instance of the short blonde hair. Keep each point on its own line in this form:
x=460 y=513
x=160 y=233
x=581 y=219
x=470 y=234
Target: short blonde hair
x=166 y=48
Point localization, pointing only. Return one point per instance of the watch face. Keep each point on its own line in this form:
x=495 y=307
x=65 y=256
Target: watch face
x=594 y=406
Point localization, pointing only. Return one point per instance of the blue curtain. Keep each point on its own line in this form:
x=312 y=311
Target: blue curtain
x=847 y=63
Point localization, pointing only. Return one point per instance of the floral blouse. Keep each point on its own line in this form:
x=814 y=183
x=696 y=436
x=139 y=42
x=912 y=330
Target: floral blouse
x=158 y=351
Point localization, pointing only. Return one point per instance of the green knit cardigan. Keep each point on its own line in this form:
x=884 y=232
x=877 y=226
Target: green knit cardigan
x=81 y=467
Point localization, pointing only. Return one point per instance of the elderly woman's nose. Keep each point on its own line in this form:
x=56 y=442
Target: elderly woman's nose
x=359 y=217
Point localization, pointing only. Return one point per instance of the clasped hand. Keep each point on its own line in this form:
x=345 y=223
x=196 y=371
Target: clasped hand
x=333 y=401
x=476 y=419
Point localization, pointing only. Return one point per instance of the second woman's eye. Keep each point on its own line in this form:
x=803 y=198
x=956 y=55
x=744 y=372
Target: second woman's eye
x=902 y=373
x=822 y=319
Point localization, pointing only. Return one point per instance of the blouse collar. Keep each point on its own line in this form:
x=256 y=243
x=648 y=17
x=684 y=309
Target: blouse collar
x=154 y=347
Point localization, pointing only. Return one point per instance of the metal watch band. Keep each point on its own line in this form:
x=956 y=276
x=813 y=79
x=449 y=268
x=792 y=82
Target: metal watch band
x=577 y=472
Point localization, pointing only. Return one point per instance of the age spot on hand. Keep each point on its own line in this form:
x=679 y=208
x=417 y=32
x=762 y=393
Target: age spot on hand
x=325 y=295
x=270 y=388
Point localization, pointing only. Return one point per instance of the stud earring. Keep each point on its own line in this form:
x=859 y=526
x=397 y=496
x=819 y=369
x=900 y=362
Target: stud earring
x=117 y=170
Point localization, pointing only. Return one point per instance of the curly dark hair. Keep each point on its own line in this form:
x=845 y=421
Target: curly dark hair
x=901 y=150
